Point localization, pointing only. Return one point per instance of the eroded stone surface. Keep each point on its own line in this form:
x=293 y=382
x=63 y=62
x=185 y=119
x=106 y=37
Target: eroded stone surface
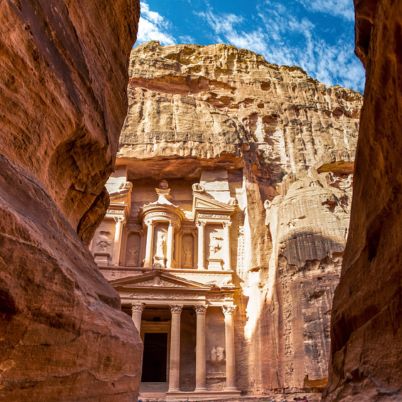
x=366 y=319
x=277 y=145
x=63 y=100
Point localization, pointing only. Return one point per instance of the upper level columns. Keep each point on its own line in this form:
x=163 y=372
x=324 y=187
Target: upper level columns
x=201 y=244
x=117 y=239
x=149 y=244
x=170 y=240
x=226 y=246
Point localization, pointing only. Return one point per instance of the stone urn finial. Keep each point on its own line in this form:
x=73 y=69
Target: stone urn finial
x=163 y=184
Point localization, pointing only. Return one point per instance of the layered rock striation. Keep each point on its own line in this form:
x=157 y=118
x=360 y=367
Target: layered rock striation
x=63 y=100
x=366 y=329
x=287 y=143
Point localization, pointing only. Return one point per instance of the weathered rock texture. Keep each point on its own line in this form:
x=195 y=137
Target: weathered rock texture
x=366 y=319
x=63 y=83
x=286 y=140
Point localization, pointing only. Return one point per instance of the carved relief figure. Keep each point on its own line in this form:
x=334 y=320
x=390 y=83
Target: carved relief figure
x=161 y=245
x=187 y=258
x=160 y=248
x=217 y=354
x=188 y=246
x=103 y=243
x=133 y=248
x=213 y=354
x=215 y=245
x=215 y=248
x=220 y=354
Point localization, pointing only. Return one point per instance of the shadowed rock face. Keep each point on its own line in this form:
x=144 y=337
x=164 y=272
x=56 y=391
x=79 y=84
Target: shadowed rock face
x=366 y=319
x=288 y=143
x=63 y=71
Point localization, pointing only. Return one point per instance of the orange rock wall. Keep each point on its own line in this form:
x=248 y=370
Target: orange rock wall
x=366 y=319
x=63 y=69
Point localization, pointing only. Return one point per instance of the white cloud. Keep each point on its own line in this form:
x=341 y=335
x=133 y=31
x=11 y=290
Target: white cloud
x=337 y=8
x=224 y=27
x=186 y=39
x=153 y=26
x=291 y=40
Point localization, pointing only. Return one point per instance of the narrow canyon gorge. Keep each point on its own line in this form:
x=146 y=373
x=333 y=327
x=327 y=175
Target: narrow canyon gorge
x=177 y=222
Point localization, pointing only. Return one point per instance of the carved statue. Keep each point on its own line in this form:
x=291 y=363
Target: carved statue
x=188 y=257
x=161 y=245
x=103 y=243
x=220 y=354
x=215 y=246
x=161 y=250
x=133 y=256
x=217 y=354
x=213 y=354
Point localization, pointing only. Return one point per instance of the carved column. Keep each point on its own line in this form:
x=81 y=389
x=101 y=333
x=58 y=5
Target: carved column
x=149 y=244
x=170 y=240
x=230 y=348
x=174 y=365
x=201 y=244
x=200 y=358
x=136 y=314
x=117 y=239
x=226 y=239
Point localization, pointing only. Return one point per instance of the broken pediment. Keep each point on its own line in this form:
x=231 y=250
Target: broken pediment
x=203 y=202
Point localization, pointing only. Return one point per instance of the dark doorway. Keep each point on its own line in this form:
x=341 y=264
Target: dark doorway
x=154 y=360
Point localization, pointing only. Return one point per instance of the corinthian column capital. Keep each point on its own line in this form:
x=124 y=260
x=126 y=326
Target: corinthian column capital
x=176 y=309
x=200 y=309
x=228 y=310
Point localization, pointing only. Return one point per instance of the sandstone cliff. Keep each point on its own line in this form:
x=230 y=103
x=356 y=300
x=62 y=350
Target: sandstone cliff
x=63 y=83
x=366 y=321
x=289 y=141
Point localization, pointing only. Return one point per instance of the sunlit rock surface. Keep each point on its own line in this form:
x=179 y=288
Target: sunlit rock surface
x=288 y=143
x=63 y=69
x=366 y=319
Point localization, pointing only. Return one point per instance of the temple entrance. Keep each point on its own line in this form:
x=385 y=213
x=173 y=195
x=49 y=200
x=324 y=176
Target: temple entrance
x=155 y=357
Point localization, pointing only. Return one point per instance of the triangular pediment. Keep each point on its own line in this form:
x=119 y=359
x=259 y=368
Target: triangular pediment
x=157 y=279
x=207 y=203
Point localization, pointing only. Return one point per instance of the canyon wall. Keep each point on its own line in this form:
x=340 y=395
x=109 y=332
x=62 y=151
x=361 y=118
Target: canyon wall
x=287 y=143
x=63 y=84
x=366 y=327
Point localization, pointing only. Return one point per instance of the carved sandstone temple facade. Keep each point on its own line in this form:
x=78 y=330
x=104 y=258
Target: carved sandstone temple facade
x=170 y=250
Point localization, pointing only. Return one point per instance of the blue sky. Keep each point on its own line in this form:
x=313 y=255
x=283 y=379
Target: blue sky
x=317 y=35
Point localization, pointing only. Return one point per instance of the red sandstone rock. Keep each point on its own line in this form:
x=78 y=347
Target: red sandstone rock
x=366 y=320
x=63 y=71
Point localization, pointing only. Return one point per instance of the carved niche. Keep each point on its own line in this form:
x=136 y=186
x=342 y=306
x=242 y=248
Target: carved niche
x=214 y=247
x=103 y=247
x=187 y=253
x=133 y=249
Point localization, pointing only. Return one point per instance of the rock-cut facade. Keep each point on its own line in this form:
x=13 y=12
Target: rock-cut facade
x=228 y=217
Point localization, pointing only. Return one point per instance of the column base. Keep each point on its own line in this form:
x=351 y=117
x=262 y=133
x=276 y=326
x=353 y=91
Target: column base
x=200 y=389
x=203 y=395
x=231 y=389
